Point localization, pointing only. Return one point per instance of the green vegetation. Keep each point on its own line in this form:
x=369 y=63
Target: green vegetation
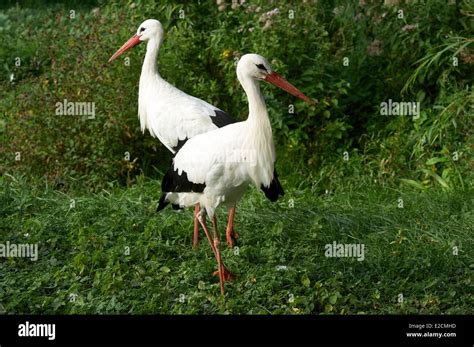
x=82 y=250
x=343 y=165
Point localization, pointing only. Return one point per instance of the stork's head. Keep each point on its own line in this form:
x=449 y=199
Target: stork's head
x=151 y=29
x=255 y=66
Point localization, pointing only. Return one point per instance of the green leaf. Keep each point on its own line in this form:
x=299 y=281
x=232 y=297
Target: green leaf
x=305 y=281
x=165 y=269
x=436 y=160
x=412 y=183
x=328 y=308
x=437 y=178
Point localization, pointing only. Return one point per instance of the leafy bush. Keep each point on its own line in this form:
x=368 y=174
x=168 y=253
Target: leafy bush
x=349 y=56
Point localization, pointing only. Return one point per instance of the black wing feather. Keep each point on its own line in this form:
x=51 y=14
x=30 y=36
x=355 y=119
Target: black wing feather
x=179 y=145
x=221 y=119
x=275 y=189
x=173 y=182
x=163 y=203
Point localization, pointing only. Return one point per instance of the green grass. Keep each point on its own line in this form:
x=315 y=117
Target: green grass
x=409 y=251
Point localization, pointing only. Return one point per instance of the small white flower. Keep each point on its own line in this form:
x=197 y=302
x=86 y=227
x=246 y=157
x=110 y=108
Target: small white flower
x=281 y=267
x=273 y=12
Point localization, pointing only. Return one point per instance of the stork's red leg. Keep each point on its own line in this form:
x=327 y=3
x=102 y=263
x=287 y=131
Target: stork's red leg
x=206 y=231
x=227 y=276
x=196 y=226
x=220 y=266
x=230 y=235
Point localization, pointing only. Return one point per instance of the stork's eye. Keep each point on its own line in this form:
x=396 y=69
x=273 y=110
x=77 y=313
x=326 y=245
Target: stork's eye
x=142 y=30
x=261 y=67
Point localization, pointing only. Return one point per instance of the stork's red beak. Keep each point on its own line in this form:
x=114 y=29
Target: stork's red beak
x=133 y=41
x=279 y=81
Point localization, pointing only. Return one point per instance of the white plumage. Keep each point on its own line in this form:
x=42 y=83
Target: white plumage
x=168 y=113
x=216 y=167
x=216 y=159
x=228 y=159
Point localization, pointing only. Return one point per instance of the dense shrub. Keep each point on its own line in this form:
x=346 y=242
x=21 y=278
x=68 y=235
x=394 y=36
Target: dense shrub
x=389 y=56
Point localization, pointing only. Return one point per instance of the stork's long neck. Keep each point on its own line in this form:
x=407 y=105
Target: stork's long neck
x=149 y=67
x=258 y=135
x=150 y=81
x=258 y=116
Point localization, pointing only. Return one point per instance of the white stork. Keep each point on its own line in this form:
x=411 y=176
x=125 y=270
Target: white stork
x=169 y=114
x=216 y=167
